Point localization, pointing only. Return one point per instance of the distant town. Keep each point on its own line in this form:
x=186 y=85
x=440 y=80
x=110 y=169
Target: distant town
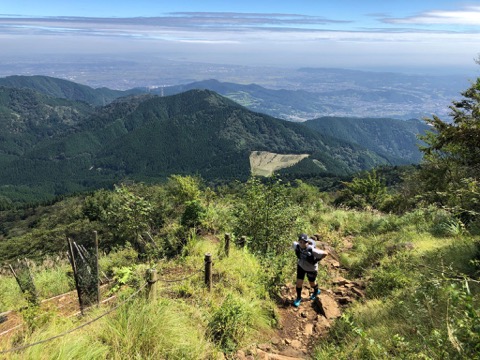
x=335 y=92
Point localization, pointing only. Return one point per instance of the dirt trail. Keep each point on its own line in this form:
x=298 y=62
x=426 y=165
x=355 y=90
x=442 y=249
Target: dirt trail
x=302 y=327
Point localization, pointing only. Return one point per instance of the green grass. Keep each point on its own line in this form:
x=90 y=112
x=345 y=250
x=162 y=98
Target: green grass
x=53 y=281
x=417 y=305
x=185 y=322
x=11 y=296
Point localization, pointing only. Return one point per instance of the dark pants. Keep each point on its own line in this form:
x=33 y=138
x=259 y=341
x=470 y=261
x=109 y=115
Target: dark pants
x=311 y=275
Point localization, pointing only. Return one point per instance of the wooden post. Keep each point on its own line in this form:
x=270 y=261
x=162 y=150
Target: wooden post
x=227 y=244
x=97 y=271
x=243 y=241
x=152 y=284
x=208 y=271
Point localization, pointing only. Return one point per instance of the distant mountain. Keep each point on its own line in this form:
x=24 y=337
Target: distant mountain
x=64 y=89
x=148 y=138
x=283 y=104
x=326 y=92
x=394 y=139
x=339 y=93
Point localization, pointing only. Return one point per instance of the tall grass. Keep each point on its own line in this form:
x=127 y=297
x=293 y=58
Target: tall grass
x=10 y=295
x=154 y=330
x=418 y=306
x=138 y=330
x=53 y=281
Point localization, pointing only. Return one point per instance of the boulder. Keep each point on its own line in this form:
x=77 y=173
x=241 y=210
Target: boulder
x=340 y=281
x=328 y=306
x=308 y=329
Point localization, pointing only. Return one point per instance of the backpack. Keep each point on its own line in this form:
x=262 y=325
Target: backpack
x=310 y=258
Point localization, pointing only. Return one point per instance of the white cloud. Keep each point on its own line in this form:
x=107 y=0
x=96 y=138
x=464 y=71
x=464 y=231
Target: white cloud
x=467 y=16
x=244 y=38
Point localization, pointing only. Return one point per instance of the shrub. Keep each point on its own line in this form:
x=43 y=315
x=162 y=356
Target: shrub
x=230 y=323
x=118 y=258
x=394 y=273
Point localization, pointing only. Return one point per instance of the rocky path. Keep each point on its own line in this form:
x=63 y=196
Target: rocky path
x=301 y=328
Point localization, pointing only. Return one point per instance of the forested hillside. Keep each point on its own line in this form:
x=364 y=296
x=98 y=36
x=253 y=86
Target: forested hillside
x=401 y=280
x=148 y=138
x=397 y=140
x=64 y=89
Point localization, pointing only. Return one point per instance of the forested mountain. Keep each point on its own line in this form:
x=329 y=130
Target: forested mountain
x=65 y=89
x=28 y=117
x=54 y=145
x=392 y=138
x=149 y=137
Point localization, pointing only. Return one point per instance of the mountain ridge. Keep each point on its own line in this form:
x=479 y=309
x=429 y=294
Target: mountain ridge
x=146 y=137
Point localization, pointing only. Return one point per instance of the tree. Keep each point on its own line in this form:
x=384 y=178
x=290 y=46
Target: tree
x=450 y=171
x=363 y=191
x=125 y=214
x=267 y=215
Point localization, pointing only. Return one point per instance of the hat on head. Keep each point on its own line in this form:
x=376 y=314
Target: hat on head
x=303 y=237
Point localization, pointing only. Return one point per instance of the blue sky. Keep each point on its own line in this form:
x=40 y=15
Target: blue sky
x=343 y=33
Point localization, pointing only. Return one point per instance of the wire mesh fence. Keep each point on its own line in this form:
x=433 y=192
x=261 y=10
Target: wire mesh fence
x=21 y=271
x=85 y=270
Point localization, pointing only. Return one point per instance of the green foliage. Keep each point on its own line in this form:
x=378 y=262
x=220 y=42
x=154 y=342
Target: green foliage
x=464 y=320
x=394 y=273
x=158 y=330
x=124 y=213
x=121 y=276
x=438 y=222
x=449 y=175
x=63 y=146
x=365 y=191
x=184 y=189
x=60 y=88
x=267 y=215
x=54 y=280
x=11 y=297
x=394 y=139
x=118 y=258
x=230 y=322
x=193 y=215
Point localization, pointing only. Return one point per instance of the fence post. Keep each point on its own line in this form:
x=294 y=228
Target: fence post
x=208 y=271
x=152 y=284
x=96 y=267
x=243 y=241
x=227 y=244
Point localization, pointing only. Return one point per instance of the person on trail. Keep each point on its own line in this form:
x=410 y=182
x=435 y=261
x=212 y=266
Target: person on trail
x=307 y=264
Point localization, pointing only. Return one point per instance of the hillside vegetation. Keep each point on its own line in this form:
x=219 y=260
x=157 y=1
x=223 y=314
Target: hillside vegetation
x=396 y=140
x=419 y=270
x=413 y=246
x=147 y=138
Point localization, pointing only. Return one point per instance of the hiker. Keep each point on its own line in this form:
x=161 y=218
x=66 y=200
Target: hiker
x=307 y=264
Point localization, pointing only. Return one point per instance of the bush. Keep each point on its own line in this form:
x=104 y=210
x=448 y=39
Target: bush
x=230 y=322
x=394 y=273
x=119 y=257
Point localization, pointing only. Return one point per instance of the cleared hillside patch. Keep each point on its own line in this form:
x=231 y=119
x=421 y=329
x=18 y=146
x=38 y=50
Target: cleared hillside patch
x=264 y=163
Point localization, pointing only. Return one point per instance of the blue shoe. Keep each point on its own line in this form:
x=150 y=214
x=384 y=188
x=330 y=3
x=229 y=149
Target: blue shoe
x=297 y=302
x=315 y=294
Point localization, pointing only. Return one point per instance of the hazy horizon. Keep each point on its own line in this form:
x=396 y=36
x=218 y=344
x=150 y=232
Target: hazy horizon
x=430 y=37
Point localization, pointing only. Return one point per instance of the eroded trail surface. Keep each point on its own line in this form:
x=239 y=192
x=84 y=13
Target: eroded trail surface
x=302 y=327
